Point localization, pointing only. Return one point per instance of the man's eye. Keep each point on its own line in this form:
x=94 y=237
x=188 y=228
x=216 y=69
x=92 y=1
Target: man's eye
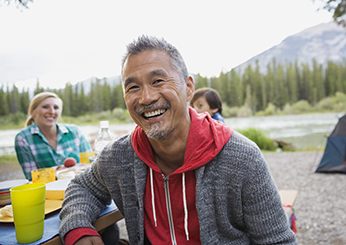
x=158 y=81
x=131 y=88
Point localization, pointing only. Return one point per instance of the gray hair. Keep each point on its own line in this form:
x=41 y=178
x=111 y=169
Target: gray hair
x=144 y=43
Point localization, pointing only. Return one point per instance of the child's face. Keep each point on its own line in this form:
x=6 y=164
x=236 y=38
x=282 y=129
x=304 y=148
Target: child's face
x=201 y=105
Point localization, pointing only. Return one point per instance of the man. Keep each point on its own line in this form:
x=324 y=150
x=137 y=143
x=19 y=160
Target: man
x=180 y=177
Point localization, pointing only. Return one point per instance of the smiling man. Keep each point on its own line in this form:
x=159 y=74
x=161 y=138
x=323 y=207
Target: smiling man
x=179 y=177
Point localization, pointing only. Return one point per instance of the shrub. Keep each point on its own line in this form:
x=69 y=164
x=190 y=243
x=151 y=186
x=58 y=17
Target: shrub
x=118 y=113
x=326 y=104
x=270 y=110
x=301 y=106
x=260 y=138
x=244 y=111
x=228 y=112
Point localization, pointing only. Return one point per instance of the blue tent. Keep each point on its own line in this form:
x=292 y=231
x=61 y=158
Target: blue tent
x=334 y=157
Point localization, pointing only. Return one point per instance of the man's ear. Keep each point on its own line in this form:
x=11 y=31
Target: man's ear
x=190 y=88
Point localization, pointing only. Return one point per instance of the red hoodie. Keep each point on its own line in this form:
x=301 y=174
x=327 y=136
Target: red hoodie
x=170 y=214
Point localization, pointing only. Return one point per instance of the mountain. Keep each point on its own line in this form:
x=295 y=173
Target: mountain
x=112 y=81
x=324 y=42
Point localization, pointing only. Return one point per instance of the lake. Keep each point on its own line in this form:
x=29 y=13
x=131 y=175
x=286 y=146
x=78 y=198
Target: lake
x=308 y=130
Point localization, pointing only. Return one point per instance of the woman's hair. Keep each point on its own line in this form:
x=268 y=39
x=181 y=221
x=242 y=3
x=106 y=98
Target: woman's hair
x=38 y=98
x=144 y=43
x=211 y=96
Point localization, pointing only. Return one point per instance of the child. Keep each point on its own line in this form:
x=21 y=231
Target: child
x=208 y=100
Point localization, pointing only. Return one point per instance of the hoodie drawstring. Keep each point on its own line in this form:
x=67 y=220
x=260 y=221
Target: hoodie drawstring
x=185 y=209
x=152 y=196
x=184 y=201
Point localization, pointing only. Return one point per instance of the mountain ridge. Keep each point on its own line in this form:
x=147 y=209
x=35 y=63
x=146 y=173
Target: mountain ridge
x=324 y=42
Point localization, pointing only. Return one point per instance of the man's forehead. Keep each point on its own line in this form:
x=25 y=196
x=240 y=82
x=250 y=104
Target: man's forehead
x=153 y=62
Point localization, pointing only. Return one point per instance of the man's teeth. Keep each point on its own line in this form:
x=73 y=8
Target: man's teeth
x=154 y=113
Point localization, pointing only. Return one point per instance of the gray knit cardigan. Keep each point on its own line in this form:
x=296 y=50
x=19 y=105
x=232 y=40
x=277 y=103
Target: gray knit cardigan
x=236 y=199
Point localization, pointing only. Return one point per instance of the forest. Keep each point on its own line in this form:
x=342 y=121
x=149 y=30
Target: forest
x=245 y=93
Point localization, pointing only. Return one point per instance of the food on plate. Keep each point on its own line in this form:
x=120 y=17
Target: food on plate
x=63 y=172
x=70 y=162
x=6 y=211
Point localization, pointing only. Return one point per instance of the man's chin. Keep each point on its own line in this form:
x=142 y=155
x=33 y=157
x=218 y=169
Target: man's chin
x=157 y=133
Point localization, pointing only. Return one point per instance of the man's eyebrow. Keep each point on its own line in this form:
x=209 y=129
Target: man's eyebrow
x=128 y=81
x=158 y=72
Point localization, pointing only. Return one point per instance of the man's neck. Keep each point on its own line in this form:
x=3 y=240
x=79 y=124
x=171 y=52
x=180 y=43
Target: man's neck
x=169 y=154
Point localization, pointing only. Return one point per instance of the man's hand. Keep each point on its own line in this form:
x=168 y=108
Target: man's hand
x=89 y=240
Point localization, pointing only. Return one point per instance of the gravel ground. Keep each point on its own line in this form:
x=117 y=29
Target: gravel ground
x=320 y=206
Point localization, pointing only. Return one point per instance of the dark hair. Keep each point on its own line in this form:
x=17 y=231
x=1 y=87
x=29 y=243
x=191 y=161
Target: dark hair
x=144 y=43
x=211 y=96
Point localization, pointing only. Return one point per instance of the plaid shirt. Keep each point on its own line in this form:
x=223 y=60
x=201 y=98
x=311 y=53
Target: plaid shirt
x=34 y=151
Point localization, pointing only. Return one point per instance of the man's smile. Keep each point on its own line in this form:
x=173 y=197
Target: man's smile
x=151 y=114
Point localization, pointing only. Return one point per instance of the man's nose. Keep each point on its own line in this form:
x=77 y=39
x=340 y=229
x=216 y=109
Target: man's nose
x=148 y=95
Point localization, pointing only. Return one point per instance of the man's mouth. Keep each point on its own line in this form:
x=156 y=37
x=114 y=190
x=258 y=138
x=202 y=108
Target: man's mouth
x=152 y=114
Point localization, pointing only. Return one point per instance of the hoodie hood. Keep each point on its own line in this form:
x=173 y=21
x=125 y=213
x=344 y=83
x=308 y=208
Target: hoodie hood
x=206 y=139
x=171 y=211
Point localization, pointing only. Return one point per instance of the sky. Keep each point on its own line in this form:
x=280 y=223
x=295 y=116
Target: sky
x=56 y=42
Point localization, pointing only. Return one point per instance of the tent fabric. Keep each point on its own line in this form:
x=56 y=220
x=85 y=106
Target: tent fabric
x=333 y=160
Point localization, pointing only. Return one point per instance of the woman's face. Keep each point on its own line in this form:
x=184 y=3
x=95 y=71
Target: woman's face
x=47 y=113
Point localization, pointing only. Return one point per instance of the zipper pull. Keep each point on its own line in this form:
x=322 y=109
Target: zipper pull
x=165 y=180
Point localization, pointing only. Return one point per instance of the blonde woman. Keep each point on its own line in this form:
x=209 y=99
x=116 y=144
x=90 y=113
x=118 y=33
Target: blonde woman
x=43 y=142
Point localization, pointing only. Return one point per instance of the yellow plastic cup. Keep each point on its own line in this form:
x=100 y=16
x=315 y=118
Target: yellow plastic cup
x=43 y=175
x=84 y=157
x=28 y=206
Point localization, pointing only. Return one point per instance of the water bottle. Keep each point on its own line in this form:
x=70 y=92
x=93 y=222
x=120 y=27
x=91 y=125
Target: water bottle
x=103 y=137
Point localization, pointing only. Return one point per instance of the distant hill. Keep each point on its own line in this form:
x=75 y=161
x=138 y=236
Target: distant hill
x=112 y=81
x=324 y=42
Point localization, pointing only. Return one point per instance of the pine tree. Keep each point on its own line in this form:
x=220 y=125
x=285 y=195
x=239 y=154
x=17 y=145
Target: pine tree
x=24 y=101
x=14 y=100
x=236 y=91
x=4 y=107
x=292 y=83
x=200 y=81
x=318 y=82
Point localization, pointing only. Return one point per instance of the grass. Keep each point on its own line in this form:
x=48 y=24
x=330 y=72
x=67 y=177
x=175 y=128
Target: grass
x=8 y=159
x=260 y=138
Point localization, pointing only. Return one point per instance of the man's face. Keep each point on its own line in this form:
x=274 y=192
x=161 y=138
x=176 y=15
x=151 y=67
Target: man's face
x=155 y=94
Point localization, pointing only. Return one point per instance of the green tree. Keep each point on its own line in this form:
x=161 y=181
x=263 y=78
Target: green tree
x=318 y=82
x=24 y=101
x=68 y=100
x=307 y=91
x=14 y=100
x=82 y=100
x=338 y=9
x=118 y=97
x=235 y=94
x=201 y=82
x=38 y=88
x=292 y=84
x=106 y=96
x=331 y=78
x=4 y=108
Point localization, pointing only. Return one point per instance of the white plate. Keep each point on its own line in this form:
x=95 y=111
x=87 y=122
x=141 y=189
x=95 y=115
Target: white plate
x=5 y=202
x=58 y=185
x=56 y=190
x=6 y=185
